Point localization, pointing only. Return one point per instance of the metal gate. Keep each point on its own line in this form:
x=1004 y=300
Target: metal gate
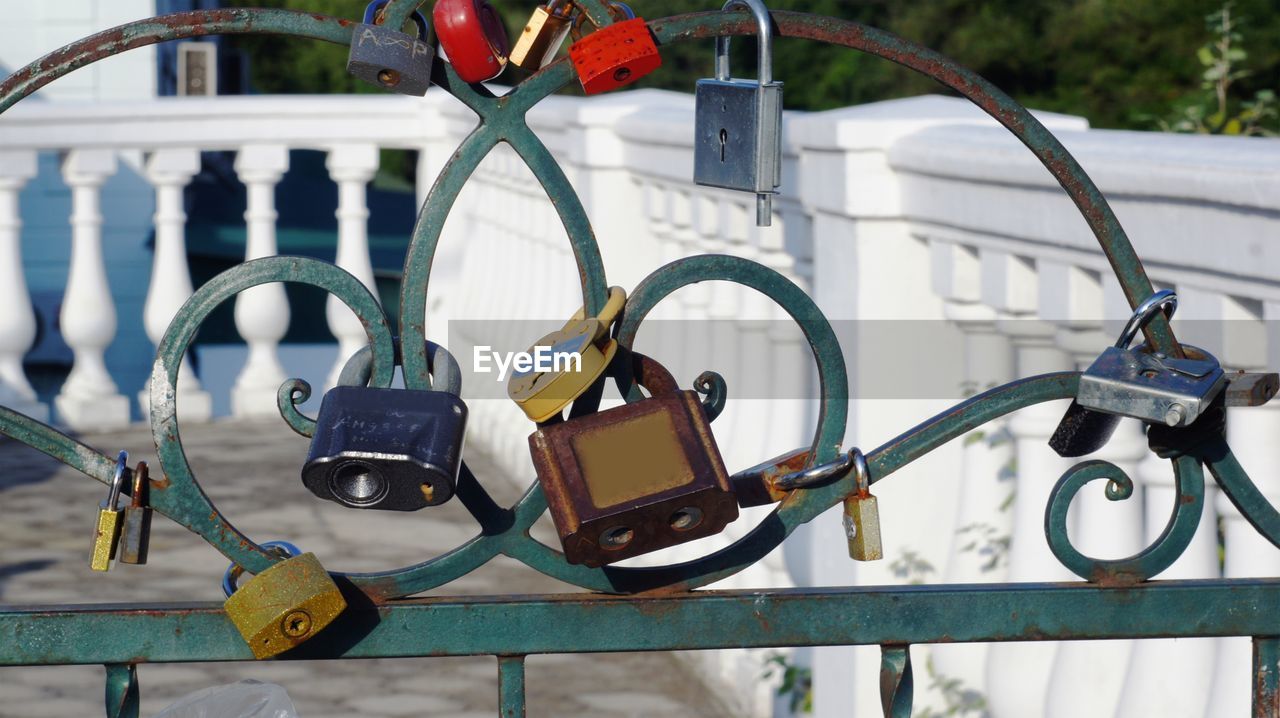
x=662 y=608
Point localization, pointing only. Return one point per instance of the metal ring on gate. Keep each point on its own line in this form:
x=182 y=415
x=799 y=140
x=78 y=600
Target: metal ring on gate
x=1165 y=299
x=824 y=473
x=283 y=549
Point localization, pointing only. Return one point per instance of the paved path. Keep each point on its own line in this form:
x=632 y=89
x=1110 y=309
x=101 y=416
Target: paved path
x=251 y=473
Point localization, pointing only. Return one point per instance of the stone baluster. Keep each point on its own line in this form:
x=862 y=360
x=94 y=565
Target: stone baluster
x=1018 y=673
x=262 y=312
x=1251 y=433
x=18 y=318
x=983 y=519
x=1172 y=677
x=351 y=167
x=89 y=399
x=1072 y=297
x=169 y=171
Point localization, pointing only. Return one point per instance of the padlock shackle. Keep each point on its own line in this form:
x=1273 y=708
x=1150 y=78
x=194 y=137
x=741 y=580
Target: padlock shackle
x=282 y=549
x=371 y=14
x=141 y=485
x=764 y=42
x=446 y=375
x=1165 y=299
x=117 y=479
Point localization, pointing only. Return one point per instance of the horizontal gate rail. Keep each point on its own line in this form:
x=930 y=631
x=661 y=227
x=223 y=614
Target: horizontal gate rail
x=700 y=620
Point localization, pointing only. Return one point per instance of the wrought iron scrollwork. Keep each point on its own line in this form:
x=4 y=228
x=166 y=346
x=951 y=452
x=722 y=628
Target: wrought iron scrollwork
x=502 y=119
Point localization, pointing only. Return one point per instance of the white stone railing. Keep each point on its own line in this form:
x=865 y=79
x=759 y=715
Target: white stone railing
x=918 y=214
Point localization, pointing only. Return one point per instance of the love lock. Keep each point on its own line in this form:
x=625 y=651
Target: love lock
x=542 y=393
x=543 y=35
x=636 y=478
x=390 y=449
x=389 y=59
x=738 y=123
x=106 y=533
x=1153 y=387
x=471 y=34
x=135 y=532
x=285 y=605
x=616 y=55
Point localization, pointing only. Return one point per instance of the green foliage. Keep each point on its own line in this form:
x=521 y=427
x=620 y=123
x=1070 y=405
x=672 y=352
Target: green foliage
x=796 y=684
x=1117 y=62
x=1215 y=109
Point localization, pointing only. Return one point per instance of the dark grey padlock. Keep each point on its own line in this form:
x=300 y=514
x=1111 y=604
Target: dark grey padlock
x=738 y=123
x=389 y=59
x=390 y=449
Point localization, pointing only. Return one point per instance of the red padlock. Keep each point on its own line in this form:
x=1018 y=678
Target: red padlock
x=472 y=35
x=615 y=56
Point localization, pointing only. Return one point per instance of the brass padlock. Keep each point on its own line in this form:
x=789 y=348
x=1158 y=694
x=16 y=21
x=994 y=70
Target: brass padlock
x=284 y=605
x=543 y=35
x=106 y=534
x=635 y=478
x=862 y=515
x=566 y=362
x=135 y=534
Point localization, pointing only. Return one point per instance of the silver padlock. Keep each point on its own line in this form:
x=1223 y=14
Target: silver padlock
x=738 y=123
x=389 y=59
x=1155 y=388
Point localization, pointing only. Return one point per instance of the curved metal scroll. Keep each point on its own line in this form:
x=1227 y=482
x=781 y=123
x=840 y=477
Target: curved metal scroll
x=502 y=119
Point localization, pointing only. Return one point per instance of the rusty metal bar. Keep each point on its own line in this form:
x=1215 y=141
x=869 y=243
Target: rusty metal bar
x=122 y=690
x=511 y=687
x=697 y=620
x=1266 y=677
x=896 y=682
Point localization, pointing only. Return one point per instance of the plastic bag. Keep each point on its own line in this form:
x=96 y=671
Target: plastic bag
x=246 y=699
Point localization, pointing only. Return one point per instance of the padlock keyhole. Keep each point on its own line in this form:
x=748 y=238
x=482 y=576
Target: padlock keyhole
x=724 y=137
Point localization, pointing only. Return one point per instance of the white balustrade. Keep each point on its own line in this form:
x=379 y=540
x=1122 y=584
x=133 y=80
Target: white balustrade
x=262 y=312
x=169 y=171
x=1018 y=673
x=352 y=167
x=18 y=319
x=871 y=196
x=1071 y=297
x=983 y=517
x=89 y=398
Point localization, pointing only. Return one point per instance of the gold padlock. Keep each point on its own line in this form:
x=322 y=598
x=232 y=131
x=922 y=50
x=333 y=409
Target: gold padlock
x=862 y=515
x=545 y=389
x=543 y=35
x=106 y=534
x=284 y=605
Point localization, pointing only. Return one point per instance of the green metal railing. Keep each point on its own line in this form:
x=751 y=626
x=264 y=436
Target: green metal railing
x=650 y=608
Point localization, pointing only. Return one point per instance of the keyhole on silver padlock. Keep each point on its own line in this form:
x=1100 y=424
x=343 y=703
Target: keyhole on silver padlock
x=724 y=137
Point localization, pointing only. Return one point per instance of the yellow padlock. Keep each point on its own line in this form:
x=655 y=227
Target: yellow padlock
x=106 y=535
x=862 y=515
x=575 y=356
x=284 y=605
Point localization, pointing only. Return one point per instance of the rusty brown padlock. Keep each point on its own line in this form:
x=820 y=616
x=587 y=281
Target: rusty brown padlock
x=635 y=478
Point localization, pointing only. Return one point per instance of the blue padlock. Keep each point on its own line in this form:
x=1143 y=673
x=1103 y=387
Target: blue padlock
x=389 y=59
